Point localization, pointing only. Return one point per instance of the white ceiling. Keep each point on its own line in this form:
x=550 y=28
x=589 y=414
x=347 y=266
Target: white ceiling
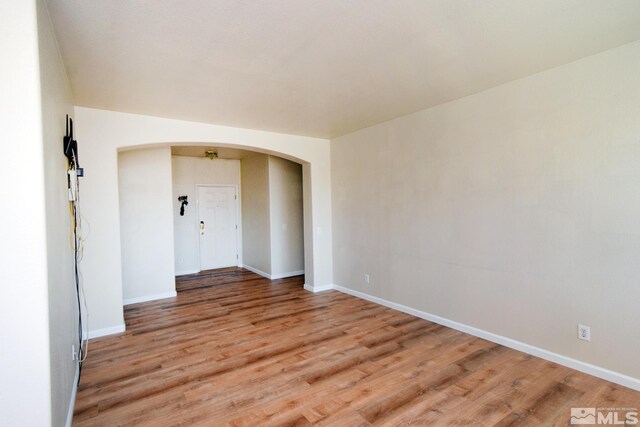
x=318 y=67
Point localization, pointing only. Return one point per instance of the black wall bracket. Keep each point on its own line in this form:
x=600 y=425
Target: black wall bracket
x=70 y=148
x=184 y=201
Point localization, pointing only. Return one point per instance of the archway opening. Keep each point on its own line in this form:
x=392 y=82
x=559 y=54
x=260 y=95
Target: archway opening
x=270 y=200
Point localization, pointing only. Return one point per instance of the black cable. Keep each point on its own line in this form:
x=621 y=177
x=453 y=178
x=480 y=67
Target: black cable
x=70 y=149
x=77 y=280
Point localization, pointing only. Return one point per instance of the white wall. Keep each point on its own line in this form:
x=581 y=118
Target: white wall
x=146 y=224
x=188 y=172
x=101 y=133
x=37 y=312
x=256 y=235
x=25 y=395
x=286 y=217
x=63 y=313
x=515 y=210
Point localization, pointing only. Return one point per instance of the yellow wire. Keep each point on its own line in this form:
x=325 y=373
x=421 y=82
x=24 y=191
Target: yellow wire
x=73 y=226
x=73 y=220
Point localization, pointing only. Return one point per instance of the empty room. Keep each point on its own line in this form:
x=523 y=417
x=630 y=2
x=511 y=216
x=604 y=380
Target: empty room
x=328 y=213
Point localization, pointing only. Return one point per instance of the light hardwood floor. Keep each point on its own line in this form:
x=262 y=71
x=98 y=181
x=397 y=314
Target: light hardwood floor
x=236 y=349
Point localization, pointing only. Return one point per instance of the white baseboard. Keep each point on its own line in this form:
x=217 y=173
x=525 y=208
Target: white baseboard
x=587 y=368
x=255 y=270
x=272 y=276
x=186 y=272
x=72 y=402
x=149 y=298
x=319 y=288
x=97 y=333
x=288 y=274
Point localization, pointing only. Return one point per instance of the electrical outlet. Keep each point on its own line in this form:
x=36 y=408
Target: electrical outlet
x=584 y=333
x=366 y=278
x=74 y=355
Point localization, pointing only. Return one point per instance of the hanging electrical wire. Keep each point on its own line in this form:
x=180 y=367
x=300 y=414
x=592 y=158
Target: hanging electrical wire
x=81 y=238
x=74 y=234
x=77 y=239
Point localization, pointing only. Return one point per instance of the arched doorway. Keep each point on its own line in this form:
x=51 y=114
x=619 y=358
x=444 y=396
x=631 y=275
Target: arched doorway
x=101 y=134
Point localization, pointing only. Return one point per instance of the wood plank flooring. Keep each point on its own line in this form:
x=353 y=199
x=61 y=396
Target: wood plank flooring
x=236 y=349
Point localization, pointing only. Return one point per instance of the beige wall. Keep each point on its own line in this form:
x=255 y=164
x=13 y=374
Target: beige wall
x=273 y=234
x=256 y=236
x=287 y=234
x=146 y=224
x=188 y=172
x=515 y=210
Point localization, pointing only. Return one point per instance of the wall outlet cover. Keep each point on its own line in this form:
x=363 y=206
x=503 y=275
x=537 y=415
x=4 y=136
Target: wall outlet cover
x=584 y=333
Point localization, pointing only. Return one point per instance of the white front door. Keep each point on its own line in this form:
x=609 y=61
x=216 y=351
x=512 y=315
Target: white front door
x=218 y=227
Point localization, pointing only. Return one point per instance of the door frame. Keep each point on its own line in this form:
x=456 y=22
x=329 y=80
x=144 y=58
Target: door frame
x=238 y=220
